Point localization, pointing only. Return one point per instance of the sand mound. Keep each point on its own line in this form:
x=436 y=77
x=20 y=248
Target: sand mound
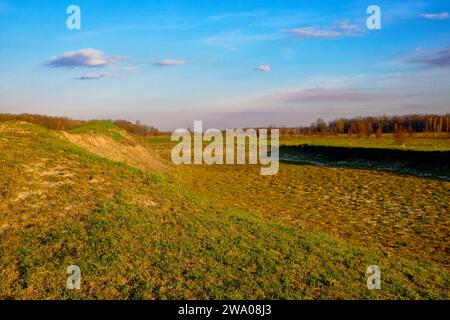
x=131 y=152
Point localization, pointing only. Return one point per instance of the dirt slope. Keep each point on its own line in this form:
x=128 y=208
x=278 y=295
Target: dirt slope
x=129 y=151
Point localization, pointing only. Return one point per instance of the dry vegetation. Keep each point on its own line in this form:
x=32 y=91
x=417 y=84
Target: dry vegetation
x=207 y=232
x=399 y=214
x=128 y=149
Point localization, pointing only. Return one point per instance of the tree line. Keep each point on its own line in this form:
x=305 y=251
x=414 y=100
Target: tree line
x=360 y=126
x=366 y=126
x=65 y=123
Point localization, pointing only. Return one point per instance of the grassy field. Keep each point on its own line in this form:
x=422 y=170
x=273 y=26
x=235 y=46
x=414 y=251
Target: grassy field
x=209 y=232
x=100 y=127
x=418 y=142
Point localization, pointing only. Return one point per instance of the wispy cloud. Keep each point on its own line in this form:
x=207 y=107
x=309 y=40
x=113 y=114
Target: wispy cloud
x=311 y=32
x=263 y=68
x=169 y=63
x=343 y=29
x=115 y=73
x=435 y=16
x=91 y=58
x=437 y=58
x=92 y=76
x=320 y=95
x=394 y=12
x=127 y=70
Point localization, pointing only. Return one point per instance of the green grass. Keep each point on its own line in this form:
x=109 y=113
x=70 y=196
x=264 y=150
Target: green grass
x=142 y=236
x=418 y=142
x=100 y=127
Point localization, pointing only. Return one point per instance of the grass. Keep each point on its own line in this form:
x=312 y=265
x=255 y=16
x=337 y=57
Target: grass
x=418 y=142
x=100 y=127
x=137 y=235
x=399 y=214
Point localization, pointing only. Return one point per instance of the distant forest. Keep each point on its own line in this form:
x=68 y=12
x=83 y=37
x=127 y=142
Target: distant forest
x=366 y=126
x=361 y=126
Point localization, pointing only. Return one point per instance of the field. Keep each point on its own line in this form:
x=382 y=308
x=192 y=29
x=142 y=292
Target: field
x=151 y=230
x=417 y=142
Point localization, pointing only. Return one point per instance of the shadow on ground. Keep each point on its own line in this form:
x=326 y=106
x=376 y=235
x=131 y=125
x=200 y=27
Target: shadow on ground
x=429 y=164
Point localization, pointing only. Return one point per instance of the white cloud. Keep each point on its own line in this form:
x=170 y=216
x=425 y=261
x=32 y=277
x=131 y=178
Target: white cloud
x=130 y=69
x=82 y=58
x=343 y=29
x=127 y=70
x=435 y=16
x=169 y=62
x=311 y=32
x=263 y=68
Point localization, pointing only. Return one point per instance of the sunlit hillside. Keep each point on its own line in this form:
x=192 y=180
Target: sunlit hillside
x=140 y=228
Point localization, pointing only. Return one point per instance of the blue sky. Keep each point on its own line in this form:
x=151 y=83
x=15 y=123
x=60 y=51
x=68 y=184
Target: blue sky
x=228 y=63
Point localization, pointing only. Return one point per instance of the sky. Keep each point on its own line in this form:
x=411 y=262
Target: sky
x=228 y=63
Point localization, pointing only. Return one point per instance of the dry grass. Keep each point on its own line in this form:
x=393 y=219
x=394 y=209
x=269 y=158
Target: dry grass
x=137 y=235
x=405 y=215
